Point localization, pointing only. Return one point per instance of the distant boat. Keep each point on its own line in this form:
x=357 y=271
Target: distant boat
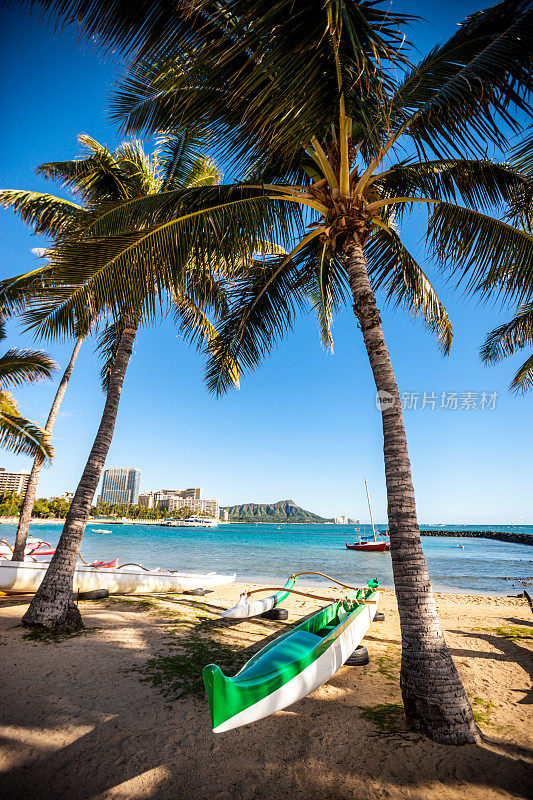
x=461 y=546
x=375 y=545
x=100 y=530
x=191 y=522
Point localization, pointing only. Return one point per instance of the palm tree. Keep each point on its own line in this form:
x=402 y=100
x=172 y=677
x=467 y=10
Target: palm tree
x=114 y=184
x=18 y=434
x=50 y=216
x=309 y=96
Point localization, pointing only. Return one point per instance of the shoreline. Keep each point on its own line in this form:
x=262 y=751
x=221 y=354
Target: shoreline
x=78 y=732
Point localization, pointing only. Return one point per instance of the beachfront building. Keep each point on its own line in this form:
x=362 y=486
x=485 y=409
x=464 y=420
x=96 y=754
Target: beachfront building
x=121 y=485
x=14 y=481
x=174 y=499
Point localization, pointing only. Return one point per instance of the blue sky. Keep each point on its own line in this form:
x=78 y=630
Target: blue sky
x=304 y=426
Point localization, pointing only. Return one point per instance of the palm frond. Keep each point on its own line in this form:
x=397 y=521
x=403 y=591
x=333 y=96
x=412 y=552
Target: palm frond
x=272 y=91
x=476 y=183
x=20 y=435
x=263 y=303
x=45 y=213
x=393 y=269
x=487 y=255
x=25 y=366
x=463 y=92
x=196 y=327
x=95 y=177
x=507 y=339
x=107 y=347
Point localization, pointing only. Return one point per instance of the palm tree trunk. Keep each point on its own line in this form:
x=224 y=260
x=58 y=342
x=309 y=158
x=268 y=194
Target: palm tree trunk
x=53 y=605
x=434 y=698
x=31 y=491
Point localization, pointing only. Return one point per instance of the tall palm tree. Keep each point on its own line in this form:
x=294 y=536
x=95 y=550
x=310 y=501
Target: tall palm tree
x=309 y=95
x=132 y=293
x=18 y=434
x=51 y=216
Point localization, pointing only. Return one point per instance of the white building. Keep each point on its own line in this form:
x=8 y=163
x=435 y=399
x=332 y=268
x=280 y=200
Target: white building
x=174 y=499
x=14 y=481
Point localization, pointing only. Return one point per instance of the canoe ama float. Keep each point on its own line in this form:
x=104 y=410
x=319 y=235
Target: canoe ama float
x=251 y=608
x=293 y=665
x=23 y=577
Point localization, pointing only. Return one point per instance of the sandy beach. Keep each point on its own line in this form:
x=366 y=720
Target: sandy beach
x=118 y=711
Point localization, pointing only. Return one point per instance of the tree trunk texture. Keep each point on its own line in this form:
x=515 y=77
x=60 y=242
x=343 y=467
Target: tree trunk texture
x=31 y=491
x=434 y=698
x=53 y=605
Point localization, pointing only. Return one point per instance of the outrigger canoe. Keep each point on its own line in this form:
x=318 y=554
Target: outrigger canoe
x=246 y=608
x=24 y=577
x=293 y=665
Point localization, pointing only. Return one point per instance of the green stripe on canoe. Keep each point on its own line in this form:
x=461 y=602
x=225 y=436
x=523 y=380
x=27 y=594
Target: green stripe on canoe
x=263 y=674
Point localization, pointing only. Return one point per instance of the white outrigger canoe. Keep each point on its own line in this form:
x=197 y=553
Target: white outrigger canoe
x=24 y=577
x=291 y=666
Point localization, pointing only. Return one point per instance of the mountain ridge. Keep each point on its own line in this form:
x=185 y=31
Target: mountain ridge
x=281 y=511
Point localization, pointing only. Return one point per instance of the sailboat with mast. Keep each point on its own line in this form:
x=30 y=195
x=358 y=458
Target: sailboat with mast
x=378 y=543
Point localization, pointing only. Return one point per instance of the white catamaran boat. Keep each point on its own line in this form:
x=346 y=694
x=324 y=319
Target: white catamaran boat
x=192 y=522
x=24 y=577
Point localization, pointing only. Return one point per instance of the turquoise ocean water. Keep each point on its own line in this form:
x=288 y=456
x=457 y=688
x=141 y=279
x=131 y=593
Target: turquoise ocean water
x=268 y=554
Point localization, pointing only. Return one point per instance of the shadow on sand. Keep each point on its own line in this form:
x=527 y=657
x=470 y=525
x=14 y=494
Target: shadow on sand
x=120 y=738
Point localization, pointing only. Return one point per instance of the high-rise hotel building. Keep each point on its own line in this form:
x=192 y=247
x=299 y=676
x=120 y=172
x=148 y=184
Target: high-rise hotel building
x=14 y=481
x=121 y=485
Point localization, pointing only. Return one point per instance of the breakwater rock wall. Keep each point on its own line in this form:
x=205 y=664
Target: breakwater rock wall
x=502 y=536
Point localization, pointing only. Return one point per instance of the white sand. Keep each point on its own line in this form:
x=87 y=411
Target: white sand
x=77 y=722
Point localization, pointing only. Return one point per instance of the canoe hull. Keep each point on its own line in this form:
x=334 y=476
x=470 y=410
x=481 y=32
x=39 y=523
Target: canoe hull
x=327 y=658
x=22 y=577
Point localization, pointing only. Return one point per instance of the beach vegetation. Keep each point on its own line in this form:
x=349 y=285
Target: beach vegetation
x=512 y=632
x=482 y=710
x=338 y=137
x=388 y=717
x=51 y=636
x=179 y=674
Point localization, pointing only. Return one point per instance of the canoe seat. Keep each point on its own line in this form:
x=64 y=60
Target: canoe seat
x=291 y=649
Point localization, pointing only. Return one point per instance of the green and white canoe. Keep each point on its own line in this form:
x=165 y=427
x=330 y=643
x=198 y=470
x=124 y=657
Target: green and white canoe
x=293 y=665
x=251 y=608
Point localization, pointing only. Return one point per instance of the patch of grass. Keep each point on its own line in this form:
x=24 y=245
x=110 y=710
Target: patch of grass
x=51 y=636
x=482 y=710
x=388 y=717
x=141 y=602
x=180 y=675
x=388 y=665
x=514 y=632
